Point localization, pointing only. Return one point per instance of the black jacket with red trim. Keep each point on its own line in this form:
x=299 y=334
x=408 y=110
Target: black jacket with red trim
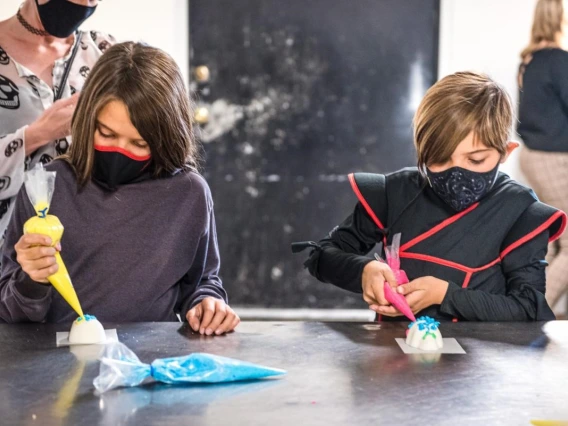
x=492 y=254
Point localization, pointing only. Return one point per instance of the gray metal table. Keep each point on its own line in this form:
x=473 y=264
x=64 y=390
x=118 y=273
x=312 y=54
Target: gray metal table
x=338 y=374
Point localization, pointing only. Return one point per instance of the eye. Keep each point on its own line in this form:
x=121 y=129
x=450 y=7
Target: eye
x=476 y=162
x=105 y=135
x=140 y=144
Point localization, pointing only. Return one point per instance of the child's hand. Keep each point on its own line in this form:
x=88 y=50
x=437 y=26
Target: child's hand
x=375 y=274
x=36 y=256
x=212 y=315
x=423 y=292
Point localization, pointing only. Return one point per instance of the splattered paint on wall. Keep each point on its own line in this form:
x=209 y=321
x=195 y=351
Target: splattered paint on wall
x=297 y=97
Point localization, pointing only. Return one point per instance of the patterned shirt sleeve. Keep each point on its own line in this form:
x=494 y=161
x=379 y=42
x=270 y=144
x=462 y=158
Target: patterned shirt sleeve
x=12 y=166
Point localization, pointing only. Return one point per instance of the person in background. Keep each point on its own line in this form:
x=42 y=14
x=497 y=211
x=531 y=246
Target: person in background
x=543 y=126
x=44 y=62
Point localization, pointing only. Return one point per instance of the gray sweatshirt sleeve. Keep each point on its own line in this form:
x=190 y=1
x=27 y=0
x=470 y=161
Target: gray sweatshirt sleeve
x=202 y=280
x=21 y=298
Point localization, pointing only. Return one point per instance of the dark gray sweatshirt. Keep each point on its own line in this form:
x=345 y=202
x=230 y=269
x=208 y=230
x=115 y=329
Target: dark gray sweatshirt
x=142 y=253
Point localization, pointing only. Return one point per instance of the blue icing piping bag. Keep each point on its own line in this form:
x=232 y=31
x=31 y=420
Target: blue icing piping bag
x=121 y=367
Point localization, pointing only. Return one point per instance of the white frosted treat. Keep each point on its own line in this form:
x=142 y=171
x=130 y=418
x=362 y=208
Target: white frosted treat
x=87 y=330
x=424 y=334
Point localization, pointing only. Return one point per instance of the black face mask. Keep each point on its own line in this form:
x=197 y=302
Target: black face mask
x=61 y=18
x=113 y=167
x=460 y=188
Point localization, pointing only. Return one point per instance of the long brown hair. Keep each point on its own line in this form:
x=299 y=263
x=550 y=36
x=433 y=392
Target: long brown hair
x=454 y=107
x=547 y=24
x=148 y=81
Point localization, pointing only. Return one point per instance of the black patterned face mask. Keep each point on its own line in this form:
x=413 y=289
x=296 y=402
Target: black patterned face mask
x=460 y=188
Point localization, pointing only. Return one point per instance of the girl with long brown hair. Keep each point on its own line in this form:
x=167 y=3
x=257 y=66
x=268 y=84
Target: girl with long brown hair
x=140 y=242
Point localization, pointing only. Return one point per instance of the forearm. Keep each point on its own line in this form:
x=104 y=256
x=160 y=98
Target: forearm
x=334 y=266
x=23 y=300
x=524 y=304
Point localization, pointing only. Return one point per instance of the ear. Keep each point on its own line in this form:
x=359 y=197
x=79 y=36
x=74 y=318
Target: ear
x=511 y=146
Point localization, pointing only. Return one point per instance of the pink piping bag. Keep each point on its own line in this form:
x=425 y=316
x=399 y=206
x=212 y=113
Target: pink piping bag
x=393 y=260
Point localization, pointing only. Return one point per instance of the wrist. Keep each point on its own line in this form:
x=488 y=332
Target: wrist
x=368 y=270
x=442 y=290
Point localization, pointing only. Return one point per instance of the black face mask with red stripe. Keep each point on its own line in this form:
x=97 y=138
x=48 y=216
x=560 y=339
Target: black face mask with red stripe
x=113 y=167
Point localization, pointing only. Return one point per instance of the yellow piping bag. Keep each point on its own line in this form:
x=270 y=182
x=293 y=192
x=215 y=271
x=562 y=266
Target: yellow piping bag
x=39 y=186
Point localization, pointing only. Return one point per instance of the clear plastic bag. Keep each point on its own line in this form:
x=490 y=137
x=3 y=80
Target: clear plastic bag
x=121 y=367
x=40 y=185
x=393 y=260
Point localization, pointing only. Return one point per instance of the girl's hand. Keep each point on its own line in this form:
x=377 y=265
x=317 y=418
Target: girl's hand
x=212 y=315
x=36 y=256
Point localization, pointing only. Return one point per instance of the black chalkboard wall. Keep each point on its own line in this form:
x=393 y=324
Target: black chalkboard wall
x=301 y=93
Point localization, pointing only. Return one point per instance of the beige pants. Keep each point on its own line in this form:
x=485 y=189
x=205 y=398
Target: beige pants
x=547 y=174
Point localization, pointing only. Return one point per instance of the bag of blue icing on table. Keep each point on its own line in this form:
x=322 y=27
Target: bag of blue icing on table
x=121 y=367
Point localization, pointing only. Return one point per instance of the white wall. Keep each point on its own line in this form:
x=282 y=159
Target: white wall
x=162 y=23
x=486 y=36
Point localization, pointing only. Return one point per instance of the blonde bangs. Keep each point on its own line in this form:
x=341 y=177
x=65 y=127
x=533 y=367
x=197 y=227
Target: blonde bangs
x=454 y=107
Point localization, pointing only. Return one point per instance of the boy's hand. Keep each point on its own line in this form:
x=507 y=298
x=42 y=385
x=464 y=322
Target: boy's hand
x=375 y=275
x=420 y=294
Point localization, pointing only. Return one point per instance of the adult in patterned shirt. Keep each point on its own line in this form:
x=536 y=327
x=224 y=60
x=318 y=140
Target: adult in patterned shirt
x=36 y=46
